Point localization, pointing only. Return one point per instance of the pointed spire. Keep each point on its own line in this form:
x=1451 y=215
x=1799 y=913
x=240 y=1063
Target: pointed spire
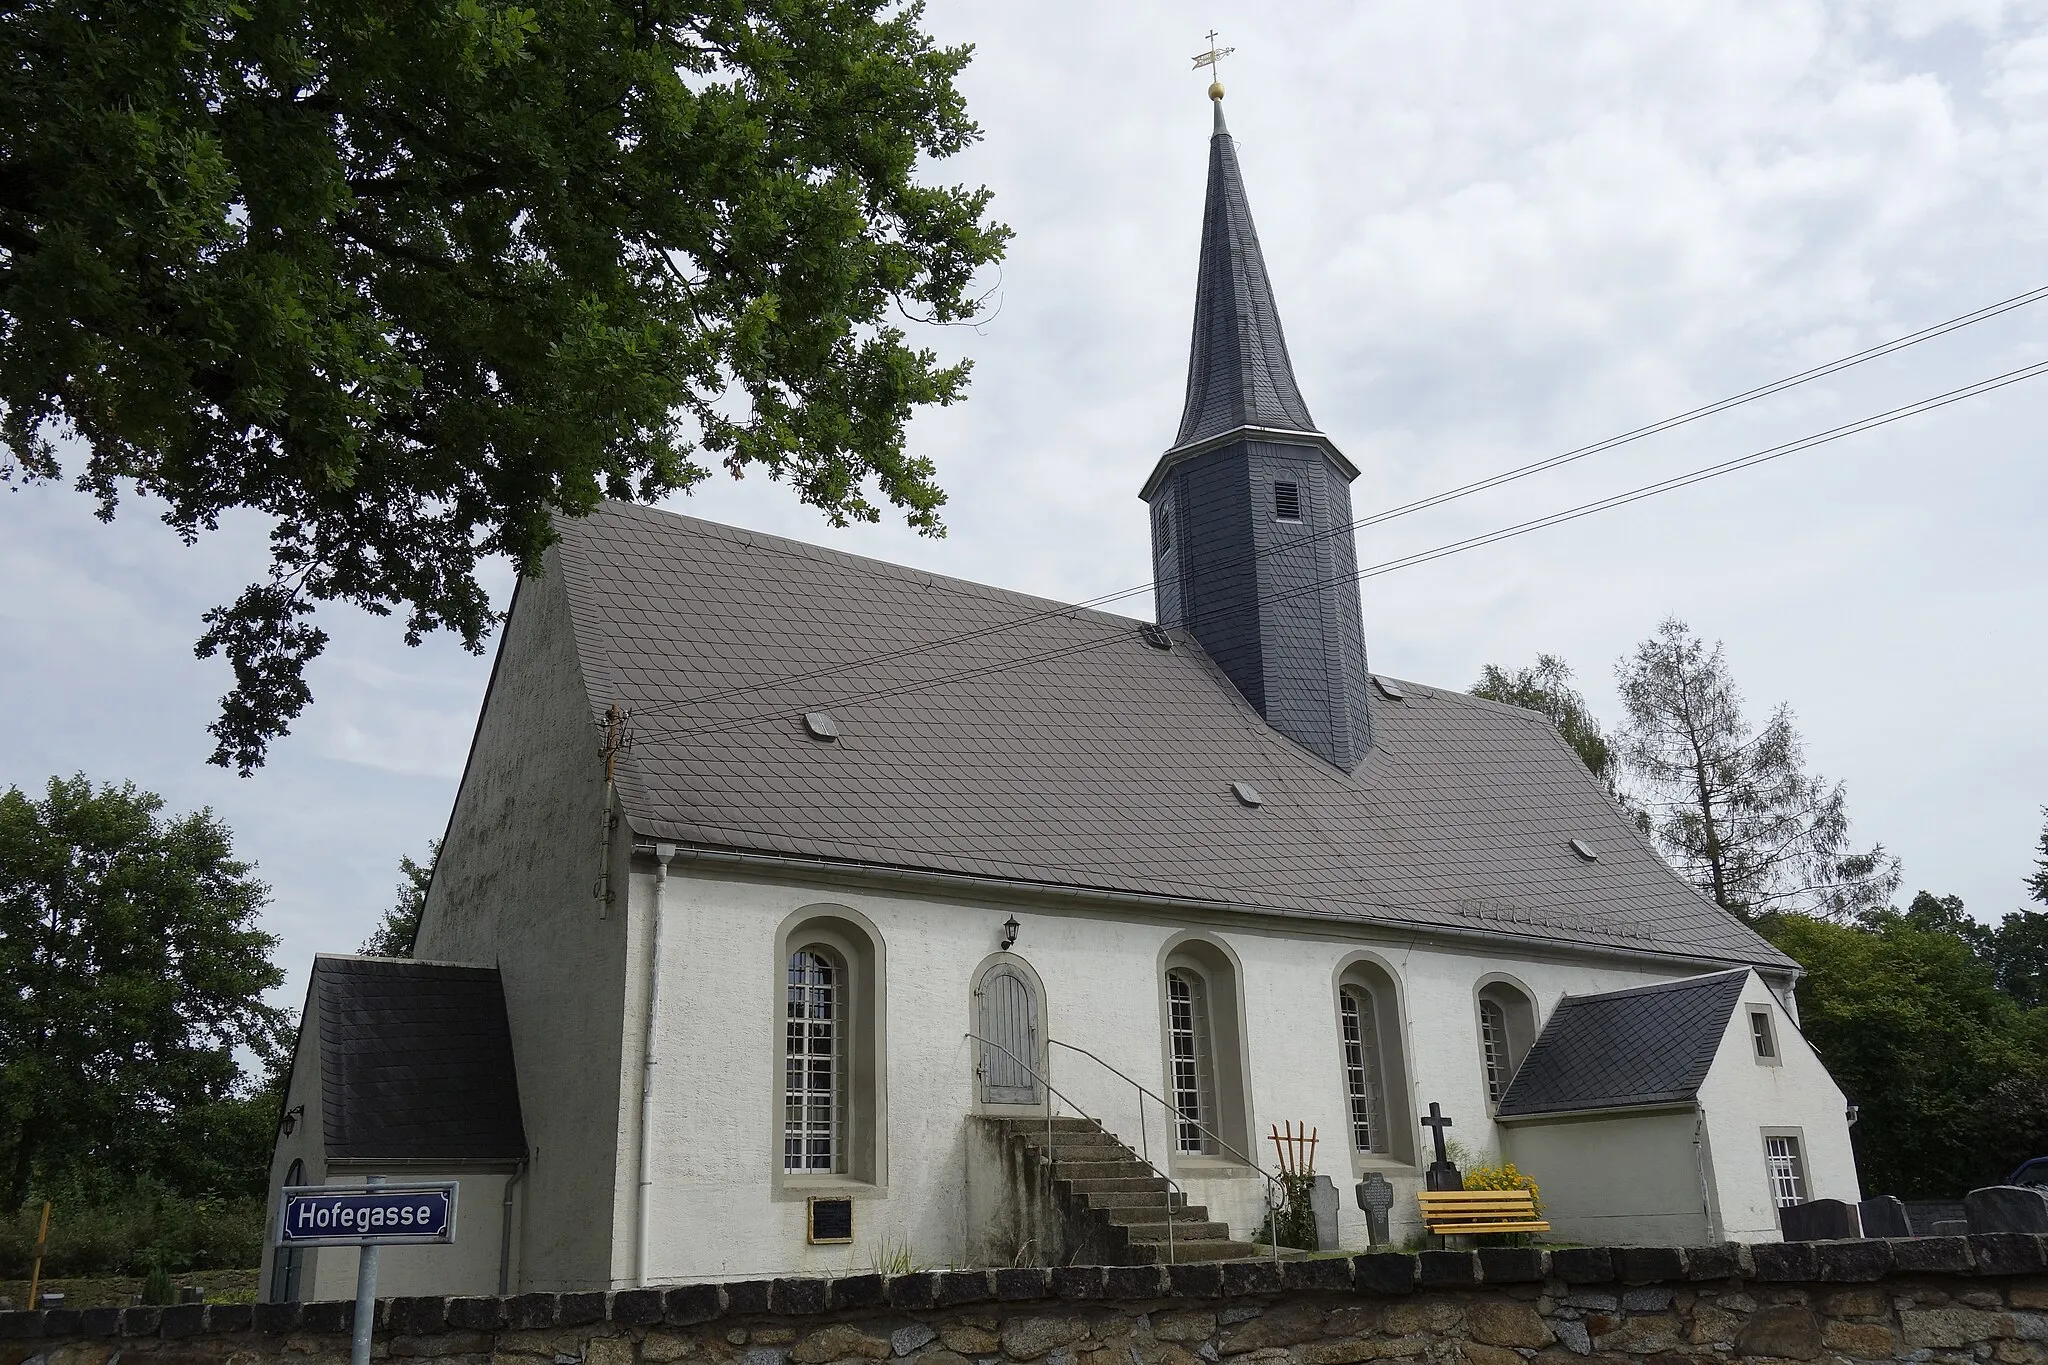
x=1238 y=371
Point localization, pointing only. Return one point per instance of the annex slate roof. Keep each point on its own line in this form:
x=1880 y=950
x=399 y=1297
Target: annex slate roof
x=416 y=1061
x=1239 y=373
x=1627 y=1049
x=996 y=735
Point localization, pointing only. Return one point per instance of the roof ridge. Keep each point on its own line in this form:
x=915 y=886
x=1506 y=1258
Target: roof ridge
x=1655 y=987
x=804 y=549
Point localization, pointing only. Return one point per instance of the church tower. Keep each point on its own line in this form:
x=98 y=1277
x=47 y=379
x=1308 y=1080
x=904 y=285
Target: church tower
x=1252 y=548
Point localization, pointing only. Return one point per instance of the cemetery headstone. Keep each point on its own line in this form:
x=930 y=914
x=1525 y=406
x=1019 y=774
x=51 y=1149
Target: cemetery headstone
x=1884 y=1215
x=2007 y=1208
x=1376 y=1198
x=1441 y=1175
x=1948 y=1227
x=1322 y=1201
x=50 y=1299
x=1819 y=1220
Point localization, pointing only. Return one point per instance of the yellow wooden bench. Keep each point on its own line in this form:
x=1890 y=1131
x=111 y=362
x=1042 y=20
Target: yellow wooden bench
x=1453 y=1213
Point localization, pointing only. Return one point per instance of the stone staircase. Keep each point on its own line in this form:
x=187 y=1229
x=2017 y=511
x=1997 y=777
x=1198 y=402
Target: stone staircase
x=1115 y=1208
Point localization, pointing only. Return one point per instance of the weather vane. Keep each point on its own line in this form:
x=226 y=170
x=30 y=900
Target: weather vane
x=1213 y=59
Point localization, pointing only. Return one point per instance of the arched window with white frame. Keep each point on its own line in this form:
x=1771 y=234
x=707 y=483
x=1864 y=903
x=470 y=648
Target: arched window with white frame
x=812 y=1049
x=1207 y=1080
x=1364 y=1076
x=831 y=1102
x=1374 y=1069
x=1507 y=1029
x=1194 y=1062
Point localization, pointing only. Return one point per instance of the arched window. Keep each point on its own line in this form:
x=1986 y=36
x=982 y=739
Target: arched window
x=1194 y=1063
x=1006 y=1017
x=1205 y=1057
x=831 y=1104
x=1364 y=1077
x=1507 y=1026
x=811 y=1056
x=1369 y=1032
x=287 y=1263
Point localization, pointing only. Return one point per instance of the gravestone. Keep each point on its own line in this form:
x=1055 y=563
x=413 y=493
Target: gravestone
x=1884 y=1215
x=2007 y=1208
x=1376 y=1197
x=1819 y=1220
x=1441 y=1175
x=1322 y=1201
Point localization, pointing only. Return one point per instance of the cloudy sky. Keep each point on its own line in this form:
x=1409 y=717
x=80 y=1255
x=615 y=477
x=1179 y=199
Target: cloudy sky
x=1497 y=231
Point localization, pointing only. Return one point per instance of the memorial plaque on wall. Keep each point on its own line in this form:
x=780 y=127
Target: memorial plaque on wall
x=831 y=1221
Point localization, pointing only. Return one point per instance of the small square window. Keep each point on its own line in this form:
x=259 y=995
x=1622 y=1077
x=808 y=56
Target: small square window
x=1761 y=1036
x=1287 y=501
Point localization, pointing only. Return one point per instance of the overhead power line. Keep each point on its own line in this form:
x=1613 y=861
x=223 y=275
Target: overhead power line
x=1569 y=514
x=1492 y=481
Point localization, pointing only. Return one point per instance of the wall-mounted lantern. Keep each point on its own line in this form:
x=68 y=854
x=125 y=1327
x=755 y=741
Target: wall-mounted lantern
x=1010 y=927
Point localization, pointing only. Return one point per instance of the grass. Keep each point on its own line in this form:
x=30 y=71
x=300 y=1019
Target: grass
x=118 y=1291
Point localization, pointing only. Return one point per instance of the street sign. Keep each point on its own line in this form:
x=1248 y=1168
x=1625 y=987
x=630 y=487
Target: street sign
x=367 y=1215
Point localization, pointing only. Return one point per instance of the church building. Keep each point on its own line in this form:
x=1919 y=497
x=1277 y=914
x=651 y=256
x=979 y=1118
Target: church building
x=805 y=914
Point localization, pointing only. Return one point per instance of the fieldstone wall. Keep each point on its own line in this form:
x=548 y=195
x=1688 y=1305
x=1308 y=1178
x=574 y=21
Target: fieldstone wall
x=1947 y=1300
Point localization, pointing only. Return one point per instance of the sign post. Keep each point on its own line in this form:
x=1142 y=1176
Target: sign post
x=366 y=1216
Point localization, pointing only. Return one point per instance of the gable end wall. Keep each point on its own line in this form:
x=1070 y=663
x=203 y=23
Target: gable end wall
x=513 y=889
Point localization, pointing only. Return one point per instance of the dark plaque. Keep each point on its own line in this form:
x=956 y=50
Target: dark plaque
x=1884 y=1216
x=831 y=1221
x=1819 y=1220
x=1376 y=1197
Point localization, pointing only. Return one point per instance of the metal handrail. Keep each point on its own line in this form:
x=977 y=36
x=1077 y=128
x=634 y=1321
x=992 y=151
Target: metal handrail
x=1173 y=1186
x=1274 y=1185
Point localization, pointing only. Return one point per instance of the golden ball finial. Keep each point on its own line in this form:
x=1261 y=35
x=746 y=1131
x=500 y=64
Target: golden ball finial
x=1215 y=90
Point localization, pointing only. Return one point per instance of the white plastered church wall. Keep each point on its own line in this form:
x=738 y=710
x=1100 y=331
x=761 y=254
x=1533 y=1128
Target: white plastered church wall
x=1744 y=1099
x=718 y=1209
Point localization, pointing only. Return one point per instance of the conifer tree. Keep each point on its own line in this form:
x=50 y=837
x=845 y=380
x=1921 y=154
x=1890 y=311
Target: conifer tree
x=1731 y=805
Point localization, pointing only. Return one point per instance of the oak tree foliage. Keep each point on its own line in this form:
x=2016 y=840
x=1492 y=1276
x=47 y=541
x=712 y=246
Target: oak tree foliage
x=1546 y=686
x=132 y=971
x=1731 y=805
x=394 y=934
x=411 y=278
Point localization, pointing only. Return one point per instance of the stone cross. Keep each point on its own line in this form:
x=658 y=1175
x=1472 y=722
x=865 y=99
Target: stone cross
x=1376 y=1198
x=1441 y=1175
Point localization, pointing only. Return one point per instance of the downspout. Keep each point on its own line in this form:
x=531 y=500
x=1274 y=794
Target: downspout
x=505 y=1231
x=662 y=854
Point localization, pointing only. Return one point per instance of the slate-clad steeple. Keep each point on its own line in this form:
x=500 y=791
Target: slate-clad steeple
x=1238 y=371
x=1251 y=507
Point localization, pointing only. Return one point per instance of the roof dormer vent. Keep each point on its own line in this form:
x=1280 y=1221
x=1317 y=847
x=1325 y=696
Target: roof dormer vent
x=1154 y=634
x=820 y=725
x=1247 y=793
x=1585 y=850
x=1388 y=689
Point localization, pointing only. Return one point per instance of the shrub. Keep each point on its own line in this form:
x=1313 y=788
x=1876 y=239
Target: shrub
x=135 y=1235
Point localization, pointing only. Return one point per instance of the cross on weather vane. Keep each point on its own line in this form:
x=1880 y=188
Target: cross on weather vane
x=1213 y=59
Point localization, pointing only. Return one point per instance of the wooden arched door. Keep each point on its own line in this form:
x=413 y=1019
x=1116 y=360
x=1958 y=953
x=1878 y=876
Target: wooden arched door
x=1006 y=1004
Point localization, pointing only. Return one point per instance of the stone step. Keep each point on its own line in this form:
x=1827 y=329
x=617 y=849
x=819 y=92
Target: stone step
x=1070 y=1137
x=1063 y=1123
x=1182 y=1232
x=1137 y=1199
x=1122 y=1184
x=1149 y=1215
x=1101 y=1151
x=1102 y=1170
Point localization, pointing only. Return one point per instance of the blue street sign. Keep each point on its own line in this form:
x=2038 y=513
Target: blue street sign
x=366 y=1215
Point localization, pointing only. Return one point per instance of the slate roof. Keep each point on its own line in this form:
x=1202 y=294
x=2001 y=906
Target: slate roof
x=1239 y=373
x=416 y=1061
x=1057 y=747
x=1627 y=1049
